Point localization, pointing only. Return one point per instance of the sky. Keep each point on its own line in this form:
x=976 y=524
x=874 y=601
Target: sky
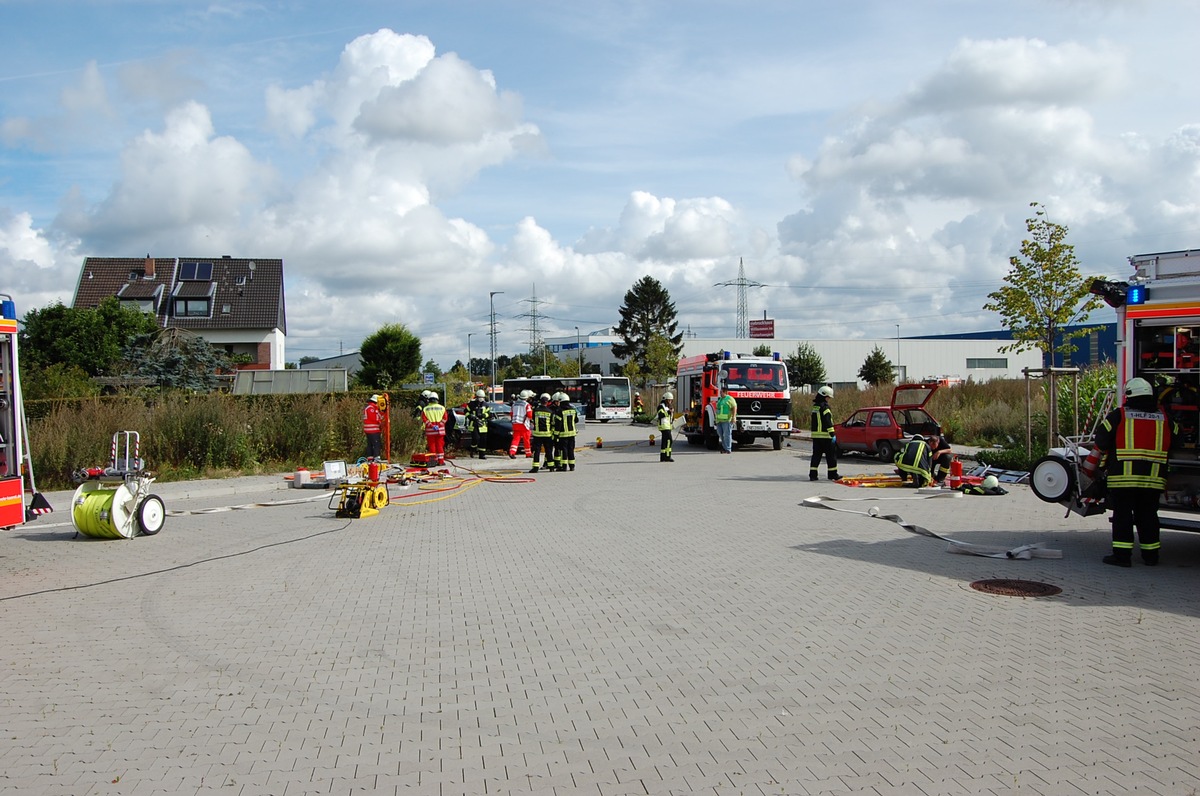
x=871 y=164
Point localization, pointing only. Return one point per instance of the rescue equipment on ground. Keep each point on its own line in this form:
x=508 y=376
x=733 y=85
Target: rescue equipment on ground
x=115 y=502
x=361 y=499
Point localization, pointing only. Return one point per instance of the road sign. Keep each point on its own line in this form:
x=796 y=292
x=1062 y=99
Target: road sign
x=428 y=379
x=762 y=329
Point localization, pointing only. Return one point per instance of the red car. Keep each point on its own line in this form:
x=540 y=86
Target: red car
x=881 y=430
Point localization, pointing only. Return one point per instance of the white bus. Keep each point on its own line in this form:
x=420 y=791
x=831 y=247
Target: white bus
x=603 y=398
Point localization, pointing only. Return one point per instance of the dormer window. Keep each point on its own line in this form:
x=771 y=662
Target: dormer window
x=135 y=276
x=192 y=308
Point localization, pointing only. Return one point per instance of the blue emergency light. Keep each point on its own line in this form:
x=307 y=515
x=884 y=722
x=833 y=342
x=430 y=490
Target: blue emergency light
x=1136 y=294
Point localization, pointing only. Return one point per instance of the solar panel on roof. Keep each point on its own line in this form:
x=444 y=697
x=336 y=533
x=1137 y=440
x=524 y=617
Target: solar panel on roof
x=187 y=270
x=195 y=272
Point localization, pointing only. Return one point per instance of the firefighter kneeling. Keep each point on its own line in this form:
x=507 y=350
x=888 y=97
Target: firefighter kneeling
x=915 y=461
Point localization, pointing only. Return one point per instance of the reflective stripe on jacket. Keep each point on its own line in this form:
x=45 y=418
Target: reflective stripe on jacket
x=372 y=419
x=565 y=420
x=1139 y=443
x=434 y=417
x=543 y=421
x=666 y=419
x=915 y=460
x=821 y=423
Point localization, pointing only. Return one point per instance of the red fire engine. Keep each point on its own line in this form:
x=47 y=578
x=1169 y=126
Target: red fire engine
x=758 y=384
x=1158 y=339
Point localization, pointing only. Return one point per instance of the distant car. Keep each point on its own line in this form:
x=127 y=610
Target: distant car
x=881 y=430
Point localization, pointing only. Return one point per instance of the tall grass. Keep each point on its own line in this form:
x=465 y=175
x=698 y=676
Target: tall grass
x=187 y=436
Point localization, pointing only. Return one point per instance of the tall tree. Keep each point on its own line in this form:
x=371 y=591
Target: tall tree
x=647 y=311
x=388 y=355
x=877 y=368
x=805 y=366
x=92 y=340
x=662 y=359
x=1045 y=292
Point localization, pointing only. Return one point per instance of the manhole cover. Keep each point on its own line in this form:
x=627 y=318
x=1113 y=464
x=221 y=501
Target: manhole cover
x=1016 y=588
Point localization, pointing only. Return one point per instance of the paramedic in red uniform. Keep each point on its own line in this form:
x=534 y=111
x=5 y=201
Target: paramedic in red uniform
x=433 y=416
x=1135 y=439
x=522 y=421
x=372 y=420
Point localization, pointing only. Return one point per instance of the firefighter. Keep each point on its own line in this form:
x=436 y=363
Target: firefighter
x=372 y=422
x=478 y=413
x=543 y=419
x=639 y=408
x=1135 y=437
x=666 y=421
x=914 y=462
x=553 y=463
x=823 y=440
x=522 y=418
x=433 y=417
x=566 y=423
x=940 y=454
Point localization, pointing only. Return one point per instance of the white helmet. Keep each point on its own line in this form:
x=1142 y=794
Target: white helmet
x=990 y=482
x=826 y=391
x=480 y=394
x=374 y=398
x=1137 y=387
x=668 y=396
x=544 y=396
x=918 y=436
x=526 y=395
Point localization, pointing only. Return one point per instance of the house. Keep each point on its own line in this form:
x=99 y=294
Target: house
x=236 y=304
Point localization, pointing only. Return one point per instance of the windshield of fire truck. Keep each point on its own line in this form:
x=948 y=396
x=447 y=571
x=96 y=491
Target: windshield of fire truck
x=757 y=376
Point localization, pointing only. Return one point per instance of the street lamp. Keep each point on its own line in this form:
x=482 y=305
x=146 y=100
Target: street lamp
x=469 y=355
x=897 y=353
x=580 y=350
x=492 y=305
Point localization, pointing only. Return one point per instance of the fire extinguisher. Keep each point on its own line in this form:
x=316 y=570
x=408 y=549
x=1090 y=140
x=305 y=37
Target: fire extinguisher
x=373 y=471
x=955 y=473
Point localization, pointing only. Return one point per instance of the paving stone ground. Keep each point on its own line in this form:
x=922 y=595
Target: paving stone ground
x=633 y=627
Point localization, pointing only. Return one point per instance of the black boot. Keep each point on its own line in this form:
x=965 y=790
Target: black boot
x=1150 y=558
x=1117 y=560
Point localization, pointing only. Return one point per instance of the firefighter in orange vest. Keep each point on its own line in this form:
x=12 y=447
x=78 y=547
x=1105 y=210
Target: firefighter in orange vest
x=433 y=416
x=372 y=420
x=1135 y=438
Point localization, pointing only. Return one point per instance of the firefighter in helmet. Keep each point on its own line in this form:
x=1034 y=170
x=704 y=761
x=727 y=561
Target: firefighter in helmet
x=1135 y=438
x=915 y=462
x=372 y=422
x=566 y=420
x=666 y=422
x=522 y=421
x=478 y=413
x=543 y=428
x=433 y=417
x=823 y=440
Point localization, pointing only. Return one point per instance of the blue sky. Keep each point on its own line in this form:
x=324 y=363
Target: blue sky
x=871 y=162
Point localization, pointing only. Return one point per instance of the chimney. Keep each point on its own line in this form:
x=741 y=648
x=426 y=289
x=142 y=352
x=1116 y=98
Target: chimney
x=149 y=269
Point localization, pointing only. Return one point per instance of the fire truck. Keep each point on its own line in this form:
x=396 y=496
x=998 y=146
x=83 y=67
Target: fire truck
x=758 y=384
x=15 y=466
x=1158 y=339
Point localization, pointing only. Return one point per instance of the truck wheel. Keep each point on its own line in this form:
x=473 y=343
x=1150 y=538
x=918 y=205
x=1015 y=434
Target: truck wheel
x=711 y=442
x=1052 y=479
x=777 y=441
x=694 y=439
x=885 y=450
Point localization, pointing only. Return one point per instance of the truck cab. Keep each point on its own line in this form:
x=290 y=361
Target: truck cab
x=758 y=384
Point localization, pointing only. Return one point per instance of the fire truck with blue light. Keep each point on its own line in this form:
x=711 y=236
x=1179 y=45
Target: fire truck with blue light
x=758 y=384
x=1158 y=339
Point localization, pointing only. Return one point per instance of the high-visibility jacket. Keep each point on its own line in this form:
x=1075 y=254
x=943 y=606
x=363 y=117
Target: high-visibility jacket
x=565 y=420
x=543 y=421
x=372 y=419
x=726 y=409
x=434 y=418
x=1137 y=442
x=521 y=413
x=666 y=418
x=915 y=460
x=821 y=424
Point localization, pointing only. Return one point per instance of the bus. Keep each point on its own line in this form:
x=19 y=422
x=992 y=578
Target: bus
x=603 y=398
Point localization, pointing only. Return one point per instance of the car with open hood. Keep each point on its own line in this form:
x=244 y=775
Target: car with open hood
x=881 y=430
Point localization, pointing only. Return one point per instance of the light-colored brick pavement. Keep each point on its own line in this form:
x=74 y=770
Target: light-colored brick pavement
x=632 y=627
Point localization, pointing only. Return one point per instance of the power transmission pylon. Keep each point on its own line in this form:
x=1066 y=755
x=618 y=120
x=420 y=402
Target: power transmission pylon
x=535 y=334
x=741 y=283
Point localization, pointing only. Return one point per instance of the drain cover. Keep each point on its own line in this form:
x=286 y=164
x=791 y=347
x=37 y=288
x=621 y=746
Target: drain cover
x=1016 y=588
